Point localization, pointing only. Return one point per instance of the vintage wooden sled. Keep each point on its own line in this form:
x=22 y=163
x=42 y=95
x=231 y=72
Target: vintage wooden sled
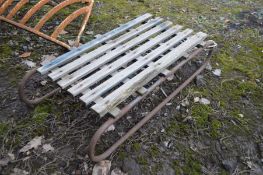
x=122 y=64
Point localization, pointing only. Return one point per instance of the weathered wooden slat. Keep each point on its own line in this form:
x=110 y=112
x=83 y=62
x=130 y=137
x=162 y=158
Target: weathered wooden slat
x=92 y=44
x=81 y=86
x=142 y=61
x=116 y=52
x=56 y=74
x=123 y=92
x=114 y=112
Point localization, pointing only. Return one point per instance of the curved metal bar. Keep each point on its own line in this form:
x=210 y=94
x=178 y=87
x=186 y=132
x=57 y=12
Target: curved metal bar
x=53 y=11
x=96 y=137
x=1 y=1
x=21 y=90
x=18 y=6
x=5 y=5
x=36 y=32
x=33 y=10
x=68 y=20
x=84 y=22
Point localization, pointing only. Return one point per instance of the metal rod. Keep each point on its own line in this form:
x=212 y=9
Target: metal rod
x=96 y=137
x=84 y=22
x=69 y=19
x=35 y=32
x=21 y=90
x=86 y=10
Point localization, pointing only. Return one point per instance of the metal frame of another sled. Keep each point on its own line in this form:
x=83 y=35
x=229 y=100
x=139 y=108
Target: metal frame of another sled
x=10 y=9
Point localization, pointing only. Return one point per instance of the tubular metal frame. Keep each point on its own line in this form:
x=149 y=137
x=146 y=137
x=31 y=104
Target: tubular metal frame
x=97 y=136
x=209 y=45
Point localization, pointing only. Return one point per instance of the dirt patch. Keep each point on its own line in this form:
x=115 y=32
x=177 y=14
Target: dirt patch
x=10 y=106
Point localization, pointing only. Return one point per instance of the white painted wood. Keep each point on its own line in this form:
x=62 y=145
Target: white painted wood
x=142 y=61
x=91 y=45
x=123 y=92
x=114 y=112
x=86 y=83
x=56 y=74
x=141 y=90
x=85 y=70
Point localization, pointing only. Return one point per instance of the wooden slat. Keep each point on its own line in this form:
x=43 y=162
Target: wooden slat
x=81 y=86
x=56 y=74
x=123 y=92
x=115 y=53
x=114 y=112
x=92 y=44
x=119 y=63
x=142 y=61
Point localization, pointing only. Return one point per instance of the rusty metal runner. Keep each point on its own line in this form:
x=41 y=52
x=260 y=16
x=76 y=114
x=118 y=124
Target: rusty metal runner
x=9 y=9
x=121 y=64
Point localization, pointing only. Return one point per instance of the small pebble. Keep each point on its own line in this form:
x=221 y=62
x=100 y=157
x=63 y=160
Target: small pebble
x=217 y=72
x=90 y=33
x=166 y=144
x=168 y=104
x=214 y=9
x=241 y=115
x=204 y=101
x=111 y=128
x=196 y=99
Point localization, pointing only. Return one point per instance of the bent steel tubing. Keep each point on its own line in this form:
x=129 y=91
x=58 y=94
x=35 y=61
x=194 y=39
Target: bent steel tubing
x=21 y=90
x=96 y=137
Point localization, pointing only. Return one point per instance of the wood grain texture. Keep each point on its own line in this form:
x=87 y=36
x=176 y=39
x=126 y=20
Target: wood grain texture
x=142 y=61
x=91 y=80
x=56 y=74
x=65 y=58
x=123 y=92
